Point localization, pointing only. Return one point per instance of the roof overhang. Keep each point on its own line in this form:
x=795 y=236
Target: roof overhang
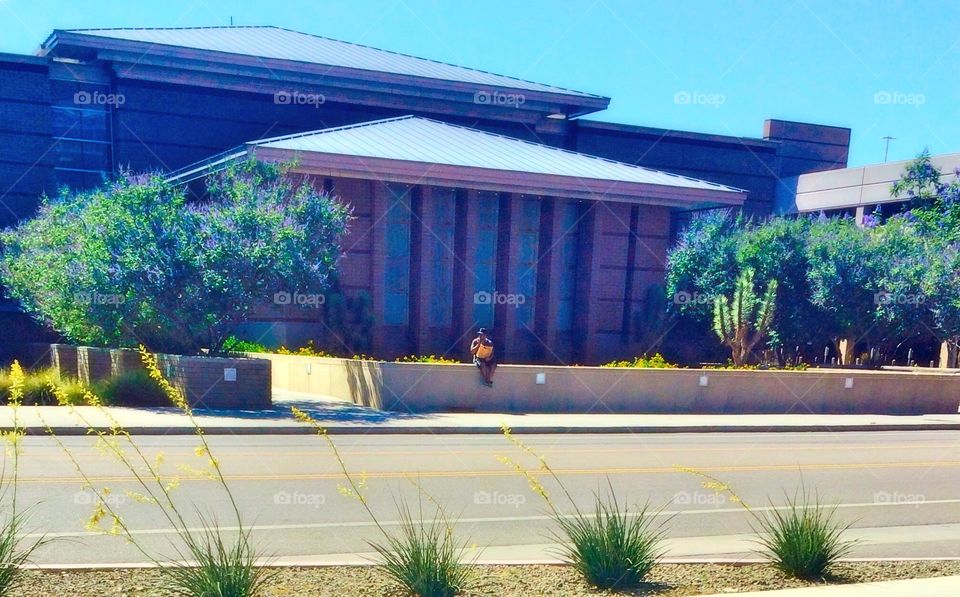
x=238 y=72
x=421 y=173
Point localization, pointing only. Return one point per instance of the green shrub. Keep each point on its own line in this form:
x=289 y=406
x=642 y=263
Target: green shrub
x=308 y=350
x=234 y=344
x=38 y=388
x=612 y=548
x=655 y=362
x=134 y=388
x=429 y=358
x=805 y=540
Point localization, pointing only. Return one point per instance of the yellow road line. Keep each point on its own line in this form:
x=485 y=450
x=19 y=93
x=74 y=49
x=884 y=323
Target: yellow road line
x=428 y=450
x=510 y=473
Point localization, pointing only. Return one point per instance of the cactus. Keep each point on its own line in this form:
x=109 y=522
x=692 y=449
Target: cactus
x=744 y=320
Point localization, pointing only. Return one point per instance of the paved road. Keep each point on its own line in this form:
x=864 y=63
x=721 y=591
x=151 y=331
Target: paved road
x=900 y=489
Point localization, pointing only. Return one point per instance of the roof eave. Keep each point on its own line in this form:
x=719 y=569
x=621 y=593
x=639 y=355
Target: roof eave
x=577 y=103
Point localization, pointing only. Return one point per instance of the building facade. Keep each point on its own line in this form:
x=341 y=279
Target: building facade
x=93 y=102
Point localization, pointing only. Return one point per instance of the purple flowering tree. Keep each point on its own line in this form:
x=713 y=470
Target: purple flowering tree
x=136 y=262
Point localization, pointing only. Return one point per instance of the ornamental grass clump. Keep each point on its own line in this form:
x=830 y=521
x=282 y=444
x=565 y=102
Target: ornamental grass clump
x=211 y=562
x=14 y=551
x=613 y=547
x=803 y=539
x=424 y=557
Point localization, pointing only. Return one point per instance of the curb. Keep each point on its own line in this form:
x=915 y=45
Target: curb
x=361 y=561
x=495 y=430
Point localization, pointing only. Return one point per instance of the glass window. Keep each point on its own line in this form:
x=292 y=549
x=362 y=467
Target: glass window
x=568 y=213
x=527 y=256
x=485 y=259
x=441 y=234
x=396 y=272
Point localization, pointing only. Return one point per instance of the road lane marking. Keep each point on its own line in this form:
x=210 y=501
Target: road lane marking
x=512 y=473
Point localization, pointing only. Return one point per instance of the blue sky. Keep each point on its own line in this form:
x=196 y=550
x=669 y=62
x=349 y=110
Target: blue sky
x=880 y=68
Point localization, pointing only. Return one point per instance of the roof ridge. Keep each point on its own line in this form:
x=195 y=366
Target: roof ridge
x=334 y=129
x=476 y=70
x=174 y=28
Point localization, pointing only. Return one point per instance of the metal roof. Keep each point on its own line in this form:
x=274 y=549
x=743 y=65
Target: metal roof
x=283 y=44
x=416 y=139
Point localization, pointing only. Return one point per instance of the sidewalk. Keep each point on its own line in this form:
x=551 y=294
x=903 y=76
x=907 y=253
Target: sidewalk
x=944 y=586
x=344 y=418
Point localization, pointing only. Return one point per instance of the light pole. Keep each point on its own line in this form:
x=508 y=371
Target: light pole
x=886 y=148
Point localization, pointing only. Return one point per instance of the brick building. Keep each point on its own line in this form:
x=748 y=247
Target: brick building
x=464 y=181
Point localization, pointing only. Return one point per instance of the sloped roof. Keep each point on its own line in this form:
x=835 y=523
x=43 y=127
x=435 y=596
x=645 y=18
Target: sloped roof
x=431 y=151
x=283 y=44
x=416 y=139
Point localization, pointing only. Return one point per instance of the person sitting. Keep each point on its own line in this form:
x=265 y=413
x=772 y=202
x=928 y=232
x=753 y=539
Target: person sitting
x=482 y=350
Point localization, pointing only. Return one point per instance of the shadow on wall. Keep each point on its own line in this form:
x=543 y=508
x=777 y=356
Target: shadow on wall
x=365 y=379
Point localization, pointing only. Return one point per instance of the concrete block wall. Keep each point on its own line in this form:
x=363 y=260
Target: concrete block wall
x=207 y=382
x=415 y=387
x=212 y=382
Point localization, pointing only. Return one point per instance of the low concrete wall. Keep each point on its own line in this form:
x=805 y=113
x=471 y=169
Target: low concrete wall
x=207 y=382
x=93 y=364
x=63 y=358
x=414 y=387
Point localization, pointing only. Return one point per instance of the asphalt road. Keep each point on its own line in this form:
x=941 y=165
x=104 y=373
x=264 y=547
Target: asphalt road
x=900 y=490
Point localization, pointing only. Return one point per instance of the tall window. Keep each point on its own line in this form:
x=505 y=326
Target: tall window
x=484 y=264
x=441 y=235
x=526 y=265
x=568 y=213
x=396 y=271
x=81 y=131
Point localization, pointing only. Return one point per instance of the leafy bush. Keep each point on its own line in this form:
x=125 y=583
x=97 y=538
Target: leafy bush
x=234 y=344
x=429 y=358
x=805 y=540
x=308 y=350
x=655 y=362
x=134 y=388
x=614 y=548
x=134 y=260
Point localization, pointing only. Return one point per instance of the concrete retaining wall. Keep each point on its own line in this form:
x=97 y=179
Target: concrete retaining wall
x=414 y=387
